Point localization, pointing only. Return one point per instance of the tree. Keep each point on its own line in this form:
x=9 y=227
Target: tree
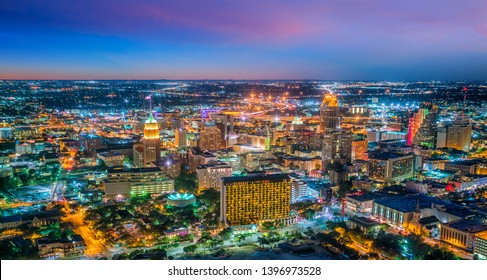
x=186 y=182
x=210 y=197
x=190 y=249
x=309 y=213
x=273 y=236
x=309 y=231
x=344 y=188
x=440 y=254
x=225 y=233
x=269 y=225
x=239 y=238
x=262 y=241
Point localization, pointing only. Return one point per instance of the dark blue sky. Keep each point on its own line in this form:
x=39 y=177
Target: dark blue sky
x=252 y=39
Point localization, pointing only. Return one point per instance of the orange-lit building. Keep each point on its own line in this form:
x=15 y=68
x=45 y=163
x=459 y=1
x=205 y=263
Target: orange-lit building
x=151 y=141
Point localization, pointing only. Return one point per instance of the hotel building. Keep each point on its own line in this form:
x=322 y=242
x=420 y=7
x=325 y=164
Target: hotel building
x=255 y=199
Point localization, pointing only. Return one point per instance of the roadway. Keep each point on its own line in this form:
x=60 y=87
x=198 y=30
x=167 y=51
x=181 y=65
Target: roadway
x=93 y=246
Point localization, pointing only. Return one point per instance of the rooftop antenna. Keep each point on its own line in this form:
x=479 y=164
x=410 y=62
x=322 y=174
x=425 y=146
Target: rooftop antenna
x=464 y=99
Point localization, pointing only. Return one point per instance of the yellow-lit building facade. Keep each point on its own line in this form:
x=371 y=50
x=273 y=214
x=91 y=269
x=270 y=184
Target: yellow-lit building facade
x=151 y=141
x=462 y=233
x=480 y=246
x=253 y=199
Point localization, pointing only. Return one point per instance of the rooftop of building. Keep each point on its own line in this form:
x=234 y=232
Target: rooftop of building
x=122 y=169
x=255 y=178
x=437 y=174
x=110 y=154
x=429 y=220
x=69 y=239
x=363 y=221
x=407 y=204
x=200 y=152
x=114 y=148
x=330 y=100
x=365 y=197
x=462 y=162
x=482 y=235
x=213 y=164
x=467 y=226
x=386 y=156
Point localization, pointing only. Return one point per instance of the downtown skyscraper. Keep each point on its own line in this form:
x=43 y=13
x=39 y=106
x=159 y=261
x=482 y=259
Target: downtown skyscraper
x=337 y=143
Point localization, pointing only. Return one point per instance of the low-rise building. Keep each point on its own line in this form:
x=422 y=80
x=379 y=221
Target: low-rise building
x=364 y=224
x=462 y=233
x=111 y=158
x=66 y=247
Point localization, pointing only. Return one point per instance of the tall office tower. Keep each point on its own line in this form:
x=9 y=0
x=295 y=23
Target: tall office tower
x=459 y=135
x=223 y=134
x=227 y=120
x=210 y=138
x=225 y=124
x=151 y=141
x=441 y=135
x=416 y=123
x=425 y=135
x=180 y=139
x=267 y=144
x=337 y=143
x=254 y=199
x=329 y=114
x=177 y=123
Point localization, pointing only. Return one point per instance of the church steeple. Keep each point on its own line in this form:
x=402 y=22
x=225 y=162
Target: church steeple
x=418 y=209
x=417 y=212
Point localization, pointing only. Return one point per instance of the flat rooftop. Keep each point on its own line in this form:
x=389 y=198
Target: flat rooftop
x=386 y=156
x=468 y=226
x=255 y=178
x=407 y=204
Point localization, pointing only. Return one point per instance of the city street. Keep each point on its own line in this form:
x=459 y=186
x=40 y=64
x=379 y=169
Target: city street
x=93 y=246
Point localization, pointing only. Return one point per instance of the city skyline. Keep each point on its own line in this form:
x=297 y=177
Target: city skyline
x=376 y=40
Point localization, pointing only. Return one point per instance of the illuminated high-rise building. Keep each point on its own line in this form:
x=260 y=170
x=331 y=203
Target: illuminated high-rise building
x=180 y=138
x=459 y=135
x=267 y=145
x=425 y=126
x=337 y=143
x=359 y=149
x=329 y=114
x=210 y=138
x=254 y=199
x=151 y=141
x=391 y=167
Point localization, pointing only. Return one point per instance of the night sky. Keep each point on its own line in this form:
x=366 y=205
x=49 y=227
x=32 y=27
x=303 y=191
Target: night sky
x=252 y=39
